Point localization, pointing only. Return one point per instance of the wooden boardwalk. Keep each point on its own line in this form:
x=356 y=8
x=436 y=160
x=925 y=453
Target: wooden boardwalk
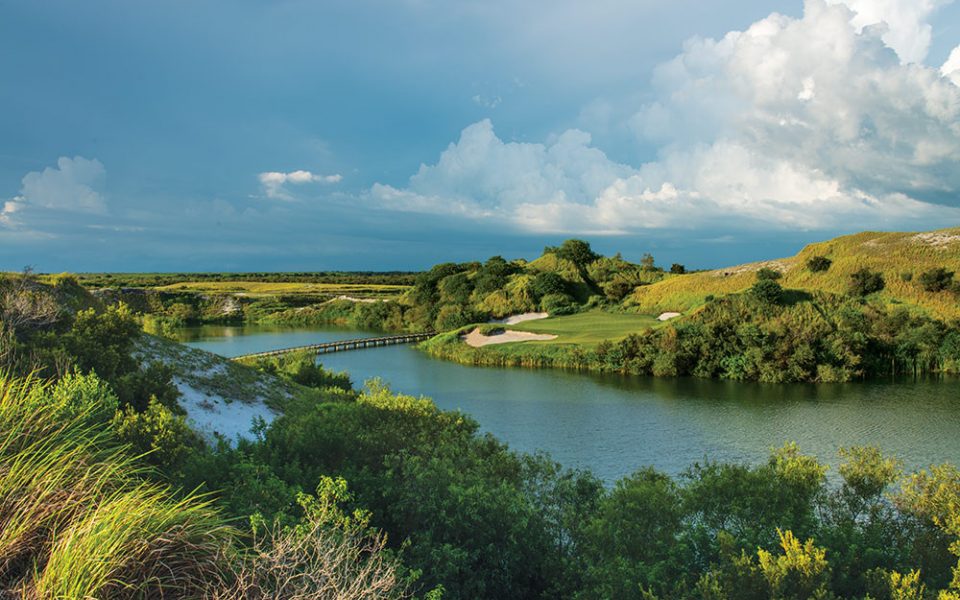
x=345 y=345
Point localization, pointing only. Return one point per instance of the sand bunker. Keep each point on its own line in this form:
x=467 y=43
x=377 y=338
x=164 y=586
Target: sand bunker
x=477 y=339
x=667 y=316
x=514 y=319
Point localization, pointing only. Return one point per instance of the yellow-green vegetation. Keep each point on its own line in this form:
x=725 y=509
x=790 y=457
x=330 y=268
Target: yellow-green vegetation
x=82 y=517
x=901 y=258
x=262 y=288
x=588 y=328
x=78 y=519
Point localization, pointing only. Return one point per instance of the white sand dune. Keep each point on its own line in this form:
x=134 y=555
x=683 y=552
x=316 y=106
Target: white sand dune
x=212 y=414
x=477 y=339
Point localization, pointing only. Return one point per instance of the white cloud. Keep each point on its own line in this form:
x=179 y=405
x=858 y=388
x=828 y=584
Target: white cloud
x=906 y=22
x=69 y=187
x=811 y=122
x=273 y=182
x=951 y=68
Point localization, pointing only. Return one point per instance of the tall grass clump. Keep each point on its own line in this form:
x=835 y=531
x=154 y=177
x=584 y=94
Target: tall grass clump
x=80 y=518
x=77 y=520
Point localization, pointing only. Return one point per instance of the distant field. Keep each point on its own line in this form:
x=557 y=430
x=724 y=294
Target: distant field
x=589 y=328
x=157 y=280
x=261 y=288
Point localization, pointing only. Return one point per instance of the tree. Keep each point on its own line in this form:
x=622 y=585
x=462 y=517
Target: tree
x=864 y=282
x=547 y=283
x=647 y=262
x=768 y=274
x=678 y=269
x=577 y=251
x=818 y=264
x=936 y=280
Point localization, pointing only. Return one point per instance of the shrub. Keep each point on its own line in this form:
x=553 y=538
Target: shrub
x=819 y=264
x=453 y=316
x=328 y=554
x=936 y=280
x=767 y=274
x=767 y=291
x=864 y=282
x=678 y=269
x=163 y=437
x=558 y=304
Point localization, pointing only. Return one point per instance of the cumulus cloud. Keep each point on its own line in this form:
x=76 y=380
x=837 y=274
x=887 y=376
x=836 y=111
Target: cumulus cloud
x=951 y=68
x=813 y=122
x=273 y=182
x=70 y=187
x=905 y=23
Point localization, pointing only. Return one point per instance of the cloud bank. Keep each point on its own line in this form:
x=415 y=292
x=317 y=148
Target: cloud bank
x=816 y=122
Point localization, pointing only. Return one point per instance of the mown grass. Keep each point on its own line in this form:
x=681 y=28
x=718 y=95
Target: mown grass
x=587 y=329
x=264 y=288
x=900 y=257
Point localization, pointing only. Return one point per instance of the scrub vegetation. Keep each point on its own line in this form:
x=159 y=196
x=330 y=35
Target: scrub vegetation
x=105 y=490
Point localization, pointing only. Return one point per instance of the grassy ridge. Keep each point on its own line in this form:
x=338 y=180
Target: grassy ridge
x=900 y=257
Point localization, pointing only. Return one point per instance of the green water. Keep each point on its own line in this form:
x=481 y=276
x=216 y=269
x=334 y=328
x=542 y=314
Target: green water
x=613 y=425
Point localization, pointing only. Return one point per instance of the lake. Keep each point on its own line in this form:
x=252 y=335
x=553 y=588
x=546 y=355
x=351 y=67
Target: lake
x=613 y=424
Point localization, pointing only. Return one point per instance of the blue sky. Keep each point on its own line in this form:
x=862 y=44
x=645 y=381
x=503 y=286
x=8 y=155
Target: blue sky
x=393 y=134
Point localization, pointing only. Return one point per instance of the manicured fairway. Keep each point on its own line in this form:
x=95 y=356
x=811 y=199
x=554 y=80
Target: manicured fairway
x=589 y=328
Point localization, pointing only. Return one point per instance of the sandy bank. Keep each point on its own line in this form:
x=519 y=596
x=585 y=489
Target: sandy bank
x=477 y=339
x=212 y=414
x=514 y=319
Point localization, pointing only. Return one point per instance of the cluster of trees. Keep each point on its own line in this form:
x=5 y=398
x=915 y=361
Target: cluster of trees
x=566 y=279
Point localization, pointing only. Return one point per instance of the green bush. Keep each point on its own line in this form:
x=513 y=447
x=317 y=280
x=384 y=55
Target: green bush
x=936 y=280
x=767 y=291
x=864 y=282
x=768 y=274
x=819 y=264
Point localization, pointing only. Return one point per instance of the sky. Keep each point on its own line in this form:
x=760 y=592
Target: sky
x=286 y=135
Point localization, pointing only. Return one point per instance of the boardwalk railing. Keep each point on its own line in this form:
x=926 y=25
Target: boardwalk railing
x=344 y=345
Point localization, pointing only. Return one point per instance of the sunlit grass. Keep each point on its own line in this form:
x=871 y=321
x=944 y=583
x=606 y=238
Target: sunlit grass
x=900 y=257
x=588 y=328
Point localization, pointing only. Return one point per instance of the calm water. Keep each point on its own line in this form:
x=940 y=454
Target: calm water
x=613 y=425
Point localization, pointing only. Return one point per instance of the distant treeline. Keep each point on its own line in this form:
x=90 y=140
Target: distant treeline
x=149 y=280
